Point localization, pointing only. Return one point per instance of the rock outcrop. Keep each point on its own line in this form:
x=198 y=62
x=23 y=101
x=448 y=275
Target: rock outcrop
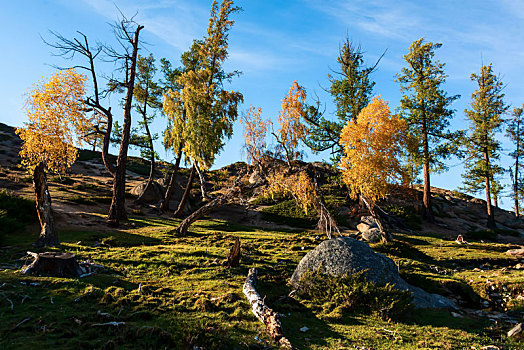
x=346 y=255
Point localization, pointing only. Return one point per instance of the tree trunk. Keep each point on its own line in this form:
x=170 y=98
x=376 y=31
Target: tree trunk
x=117 y=211
x=183 y=200
x=491 y=218
x=427 y=213
x=152 y=161
x=202 y=182
x=54 y=264
x=385 y=235
x=265 y=314
x=206 y=209
x=515 y=182
x=164 y=206
x=233 y=258
x=48 y=235
x=106 y=141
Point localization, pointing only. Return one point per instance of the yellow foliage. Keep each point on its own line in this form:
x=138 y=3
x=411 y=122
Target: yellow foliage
x=255 y=130
x=292 y=129
x=373 y=145
x=55 y=110
x=298 y=185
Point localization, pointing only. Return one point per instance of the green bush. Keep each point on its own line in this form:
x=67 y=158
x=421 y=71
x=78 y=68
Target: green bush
x=489 y=235
x=79 y=199
x=15 y=212
x=64 y=180
x=287 y=212
x=348 y=293
x=140 y=168
x=408 y=213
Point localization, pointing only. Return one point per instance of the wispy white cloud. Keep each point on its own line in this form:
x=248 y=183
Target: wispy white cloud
x=175 y=22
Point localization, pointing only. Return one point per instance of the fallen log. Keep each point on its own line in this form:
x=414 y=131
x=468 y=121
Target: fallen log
x=265 y=314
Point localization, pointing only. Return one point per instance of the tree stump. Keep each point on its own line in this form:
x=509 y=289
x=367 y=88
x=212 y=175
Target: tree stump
x=233 y=259
x=54 y=264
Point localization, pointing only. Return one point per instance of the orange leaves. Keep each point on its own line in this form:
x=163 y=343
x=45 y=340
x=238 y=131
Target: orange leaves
x=290 y=119
x=372 y=147
x=56 y=119
x=255 y=130
x=298 y=185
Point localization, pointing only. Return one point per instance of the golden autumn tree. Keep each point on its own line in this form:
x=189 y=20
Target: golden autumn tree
x=373 y=145
x=255 y=130
x=55 y=110
x=209 y=109
x=291 y=122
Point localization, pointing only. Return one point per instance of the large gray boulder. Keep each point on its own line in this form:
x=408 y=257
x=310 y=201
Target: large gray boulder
x=347 y=255
x=154 y=193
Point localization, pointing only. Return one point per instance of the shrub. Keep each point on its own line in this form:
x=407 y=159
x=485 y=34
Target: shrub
x=353 y=293
x=15 y=212
x=64 y=180
x=408 y=213
x=489 y=235
x=78 y=199
x=289 y=213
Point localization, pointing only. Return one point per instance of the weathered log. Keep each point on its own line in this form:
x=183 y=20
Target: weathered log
x=54 y=264
x=265 y=314
x=233 y=259
x=206 y=209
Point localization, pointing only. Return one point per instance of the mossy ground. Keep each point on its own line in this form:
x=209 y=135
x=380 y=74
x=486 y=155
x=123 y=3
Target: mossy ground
x=171 y=291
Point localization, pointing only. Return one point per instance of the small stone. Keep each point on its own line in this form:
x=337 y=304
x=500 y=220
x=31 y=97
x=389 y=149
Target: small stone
x=490 y=347
x=304 y=329
x=372 y=235
x=455 y=314
x=515 y=330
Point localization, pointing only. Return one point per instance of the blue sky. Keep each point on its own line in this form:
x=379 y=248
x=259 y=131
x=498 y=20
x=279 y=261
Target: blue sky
x=276 y=42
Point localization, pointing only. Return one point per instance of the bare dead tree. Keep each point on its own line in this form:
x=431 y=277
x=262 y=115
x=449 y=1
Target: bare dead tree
x=127 y=33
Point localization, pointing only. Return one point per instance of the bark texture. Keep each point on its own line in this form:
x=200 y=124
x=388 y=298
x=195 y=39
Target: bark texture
x=265 y=314
x=54 y=264
x=164 y=206
x=151 y=160
x=48 y=235
x=185 y=196
x=206 y=209
x=117 y=211
x=233 y=259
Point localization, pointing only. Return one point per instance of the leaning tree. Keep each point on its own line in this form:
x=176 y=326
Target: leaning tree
x=55 y=109
x=208 y=108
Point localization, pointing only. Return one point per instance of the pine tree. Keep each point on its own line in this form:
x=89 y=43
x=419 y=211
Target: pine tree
x=426 y=108
x=485 y=116
x=515 y=131
x=147 y=96
x=351 y=88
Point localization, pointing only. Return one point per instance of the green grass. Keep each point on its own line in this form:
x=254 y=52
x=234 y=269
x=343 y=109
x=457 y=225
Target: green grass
x=172 y=291
x=287 y=212
x=15 y=213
